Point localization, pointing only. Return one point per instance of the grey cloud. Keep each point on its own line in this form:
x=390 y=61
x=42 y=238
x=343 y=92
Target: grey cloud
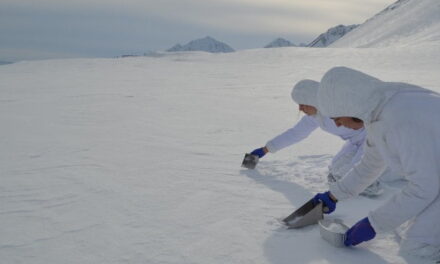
x=109 y=28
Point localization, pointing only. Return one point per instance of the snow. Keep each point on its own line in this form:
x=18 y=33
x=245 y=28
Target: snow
x=337 y=228
x=137 y=160
x=404 y=23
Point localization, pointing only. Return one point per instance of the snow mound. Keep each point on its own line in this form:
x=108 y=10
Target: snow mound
x=404 y=23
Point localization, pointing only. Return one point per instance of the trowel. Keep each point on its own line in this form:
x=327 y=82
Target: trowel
x=308 y=214
x=250 y=161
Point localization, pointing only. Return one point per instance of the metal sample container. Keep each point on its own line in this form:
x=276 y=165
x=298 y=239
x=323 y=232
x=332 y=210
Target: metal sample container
x=333 y=231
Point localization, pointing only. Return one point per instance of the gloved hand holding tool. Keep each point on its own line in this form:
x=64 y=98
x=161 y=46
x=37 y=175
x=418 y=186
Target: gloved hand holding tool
x=260 y=152
x=312 y=211
x=327 y=199
x=251 y=159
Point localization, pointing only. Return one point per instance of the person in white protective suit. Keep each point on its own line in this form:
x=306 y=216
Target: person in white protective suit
x=305 y=94
x=403 y=132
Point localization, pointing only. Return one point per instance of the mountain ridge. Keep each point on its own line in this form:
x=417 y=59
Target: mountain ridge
x=403 y=23
x=207 y=44
x=332 y=35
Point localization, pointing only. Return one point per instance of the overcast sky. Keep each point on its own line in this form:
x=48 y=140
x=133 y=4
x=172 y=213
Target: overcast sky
x=39 y=29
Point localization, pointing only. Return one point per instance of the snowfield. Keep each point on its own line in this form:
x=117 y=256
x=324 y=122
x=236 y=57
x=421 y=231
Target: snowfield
x=137 y=160
x=404 y=23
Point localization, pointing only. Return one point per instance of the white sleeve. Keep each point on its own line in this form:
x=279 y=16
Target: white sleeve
x=359 y=152
x=361 y=176
x=293 y=135
x=419 y=158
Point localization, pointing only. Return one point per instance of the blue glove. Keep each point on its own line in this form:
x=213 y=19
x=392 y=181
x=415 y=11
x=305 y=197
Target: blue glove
x=362 y=231
x=259 y=152
x=326 y=200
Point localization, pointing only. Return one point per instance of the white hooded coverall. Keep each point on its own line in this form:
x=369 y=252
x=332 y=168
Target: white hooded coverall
x=403 y=132
x=306 y=92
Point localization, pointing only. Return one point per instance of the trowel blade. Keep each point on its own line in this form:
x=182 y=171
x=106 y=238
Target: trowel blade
x=249 y=161
x=307 y=214
x=304 y=209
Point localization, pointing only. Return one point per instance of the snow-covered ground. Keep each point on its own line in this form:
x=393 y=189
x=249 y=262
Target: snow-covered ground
x=404 y=23
x=137 y=160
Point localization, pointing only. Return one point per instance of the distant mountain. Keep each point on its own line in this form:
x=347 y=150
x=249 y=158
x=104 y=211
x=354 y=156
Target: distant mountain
x=280 y=42
x=176 y=47
x=5 y=62
x=207 y=44
x=404 y=23
x=331 y=36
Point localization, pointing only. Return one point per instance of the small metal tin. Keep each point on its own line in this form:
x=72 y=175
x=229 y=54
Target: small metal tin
x=333 y=231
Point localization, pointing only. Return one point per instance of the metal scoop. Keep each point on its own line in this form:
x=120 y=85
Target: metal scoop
x=308 y=214
x=250 y=161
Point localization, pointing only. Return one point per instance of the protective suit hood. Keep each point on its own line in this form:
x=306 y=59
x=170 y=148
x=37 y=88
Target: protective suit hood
x=347 y=92
x=305 y=92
